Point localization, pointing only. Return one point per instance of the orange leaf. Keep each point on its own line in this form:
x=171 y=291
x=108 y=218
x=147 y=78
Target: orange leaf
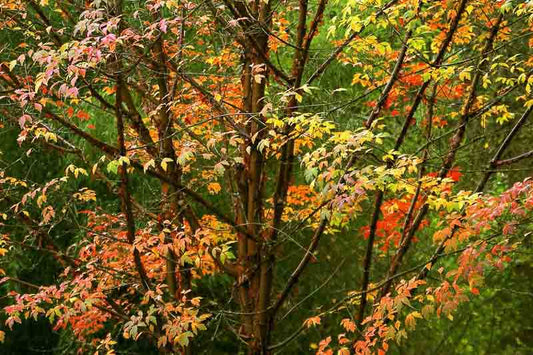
x=309 y=322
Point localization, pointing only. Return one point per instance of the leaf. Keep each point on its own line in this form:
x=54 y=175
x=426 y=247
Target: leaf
x=82 y=115
x=23 y=119
x=264 y=143
x=123 y=161
x=343 y=351
x=410 y=320
x=309 y=322
x=348 y=324
x=214 y=188
x=112 y=167
x=109 y=90
x=219 y=169
x=310 y=174
x=149 y=164
x=183 y=338
x=267 y=107
x=427 y=311
x=164 y=163
x=339 y=90
x=39 y=80
x=258 y=78
x=185 y=156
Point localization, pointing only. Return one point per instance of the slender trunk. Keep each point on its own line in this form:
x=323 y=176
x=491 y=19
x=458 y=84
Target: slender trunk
x=124 y=193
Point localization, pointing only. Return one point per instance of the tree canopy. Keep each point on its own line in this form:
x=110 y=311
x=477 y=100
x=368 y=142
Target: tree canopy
x=266 y=176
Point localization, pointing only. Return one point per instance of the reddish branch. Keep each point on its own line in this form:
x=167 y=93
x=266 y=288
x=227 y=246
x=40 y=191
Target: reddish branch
x=295 y=276
x=393 y=78
x=481 y=186
x=455 y=142
x=322 y=68
x=303 y=44
x=514 y=159
x=245 y=18
x=124 y=193
x=436 y=63
x=495 y=161
x=367 y=264
x=126 y=205
x=368 y=255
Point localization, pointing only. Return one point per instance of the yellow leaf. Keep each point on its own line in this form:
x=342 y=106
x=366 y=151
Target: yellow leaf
x=124 y=160
x=343 y=351
x=40 y=200
x=183 y=338
x=258 y=78
x=148 y=165
x=416 y=314
x=164 y=163
x=410 y=321
x=465 y=74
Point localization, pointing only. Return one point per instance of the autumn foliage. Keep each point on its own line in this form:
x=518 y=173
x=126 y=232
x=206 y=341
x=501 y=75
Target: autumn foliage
x=197 y=160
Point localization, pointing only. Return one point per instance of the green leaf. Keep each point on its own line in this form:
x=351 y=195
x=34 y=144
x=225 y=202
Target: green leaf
x=183 y=338
x=112 y=167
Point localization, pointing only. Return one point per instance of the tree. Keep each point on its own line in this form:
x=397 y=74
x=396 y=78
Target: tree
x=211 y=133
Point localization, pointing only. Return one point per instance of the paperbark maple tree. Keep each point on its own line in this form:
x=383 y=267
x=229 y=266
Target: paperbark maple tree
x=217 y=105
